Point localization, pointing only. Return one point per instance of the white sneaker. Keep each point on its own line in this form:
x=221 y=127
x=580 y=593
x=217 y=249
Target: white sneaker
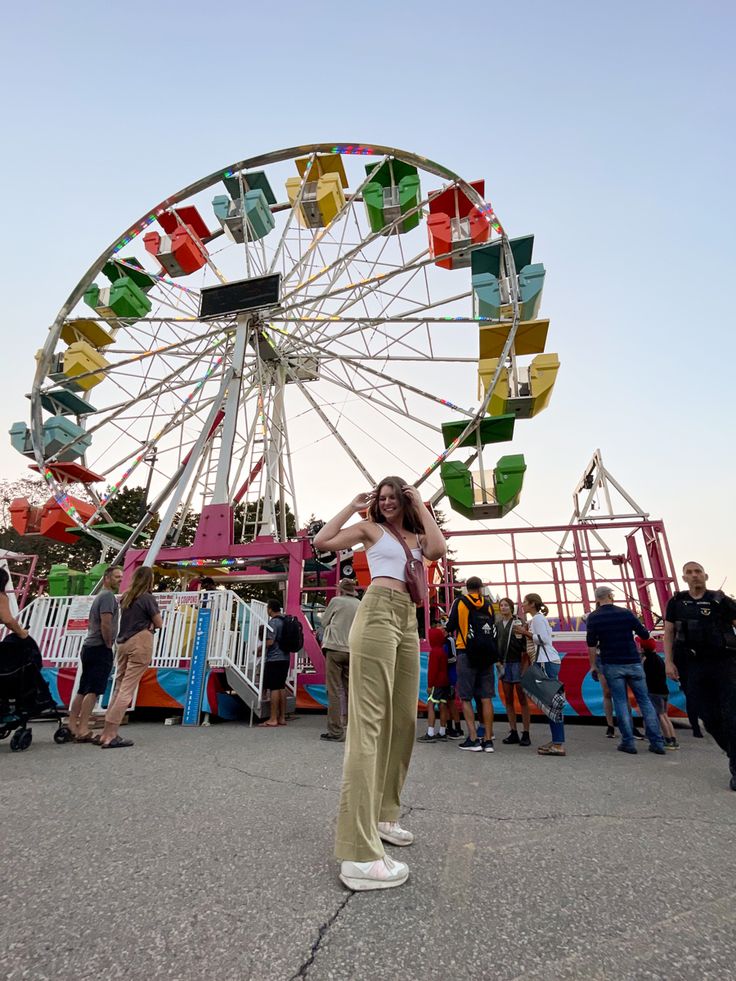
x=384 y=873
x=392 y=832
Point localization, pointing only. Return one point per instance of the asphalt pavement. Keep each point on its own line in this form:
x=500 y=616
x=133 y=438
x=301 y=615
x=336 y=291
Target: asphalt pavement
x=207 y=854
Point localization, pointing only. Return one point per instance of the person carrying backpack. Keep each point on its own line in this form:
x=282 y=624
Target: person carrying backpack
x=284 y=637
x=476 y=638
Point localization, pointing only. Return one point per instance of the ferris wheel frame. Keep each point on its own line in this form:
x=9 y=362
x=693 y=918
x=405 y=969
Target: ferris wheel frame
x=47 y=354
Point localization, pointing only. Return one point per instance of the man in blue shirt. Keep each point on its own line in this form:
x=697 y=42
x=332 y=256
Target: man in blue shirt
x=611 y=628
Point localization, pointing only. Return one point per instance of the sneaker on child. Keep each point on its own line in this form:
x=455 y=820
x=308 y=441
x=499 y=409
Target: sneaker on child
x=472 y=744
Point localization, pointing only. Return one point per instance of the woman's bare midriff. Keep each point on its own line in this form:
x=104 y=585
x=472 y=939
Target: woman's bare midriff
x=397 y=584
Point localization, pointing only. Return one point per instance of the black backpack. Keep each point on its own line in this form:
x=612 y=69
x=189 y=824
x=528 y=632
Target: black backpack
x=481 y=639
x=292 y=635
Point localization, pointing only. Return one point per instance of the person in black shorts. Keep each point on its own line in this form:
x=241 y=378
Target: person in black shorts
x=513 y=662
x=474 y=681
x=97 y=657
x=699 y=625
x=276 y=668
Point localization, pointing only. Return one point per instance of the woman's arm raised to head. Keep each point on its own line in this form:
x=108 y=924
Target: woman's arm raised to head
x=434 y=545
x=333 y=537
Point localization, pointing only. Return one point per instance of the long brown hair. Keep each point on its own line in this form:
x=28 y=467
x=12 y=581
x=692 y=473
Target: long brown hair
x=410 y=520
x=142 y=582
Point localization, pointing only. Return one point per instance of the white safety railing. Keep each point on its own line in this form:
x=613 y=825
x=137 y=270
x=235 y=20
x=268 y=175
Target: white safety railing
x=237 y=637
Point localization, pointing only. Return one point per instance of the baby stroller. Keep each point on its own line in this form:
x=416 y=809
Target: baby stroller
x=24 y=694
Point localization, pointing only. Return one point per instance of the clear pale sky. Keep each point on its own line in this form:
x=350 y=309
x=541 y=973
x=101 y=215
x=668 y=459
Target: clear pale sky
x=605 y=129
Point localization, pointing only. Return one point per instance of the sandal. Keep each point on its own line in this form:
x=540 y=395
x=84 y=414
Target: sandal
x=95 y=738
x=117 y=743
x=86 y=738
x=551 y=751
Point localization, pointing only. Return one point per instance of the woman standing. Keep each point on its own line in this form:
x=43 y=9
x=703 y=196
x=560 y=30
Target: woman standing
x=384 y=679
x=139 y=617
x=512 y=650
x=540 y=633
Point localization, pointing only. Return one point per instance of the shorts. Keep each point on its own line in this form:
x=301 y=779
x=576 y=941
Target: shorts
x=444 y=694
x=275 y=674
x=473 y=682
x=511 y=673
x=96 y=668
x=659 y=702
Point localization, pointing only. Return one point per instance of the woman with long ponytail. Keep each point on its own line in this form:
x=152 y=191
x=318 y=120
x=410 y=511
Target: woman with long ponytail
x=139 y=618
x=540 y=632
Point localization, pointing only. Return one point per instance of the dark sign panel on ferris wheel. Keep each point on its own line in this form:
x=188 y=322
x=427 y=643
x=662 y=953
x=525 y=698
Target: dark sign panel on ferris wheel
x=242 y=296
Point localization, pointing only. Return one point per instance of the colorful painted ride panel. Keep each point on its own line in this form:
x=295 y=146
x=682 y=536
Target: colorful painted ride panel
x=584 y=695
x=162 y=688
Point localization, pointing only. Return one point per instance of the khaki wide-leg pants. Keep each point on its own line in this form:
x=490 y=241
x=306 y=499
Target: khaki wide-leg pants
x=133 y=658
x=382 y=713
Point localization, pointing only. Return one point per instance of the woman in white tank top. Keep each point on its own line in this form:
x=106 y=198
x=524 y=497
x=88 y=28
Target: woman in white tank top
x=384 y=679
x=539 y=632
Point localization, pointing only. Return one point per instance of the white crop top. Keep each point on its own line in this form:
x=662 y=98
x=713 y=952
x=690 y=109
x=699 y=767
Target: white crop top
x=388 y=558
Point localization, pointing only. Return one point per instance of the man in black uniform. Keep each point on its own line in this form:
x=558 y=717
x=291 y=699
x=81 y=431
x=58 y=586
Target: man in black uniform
x=700 y=623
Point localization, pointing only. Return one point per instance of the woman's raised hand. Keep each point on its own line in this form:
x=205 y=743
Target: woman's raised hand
x=361 y=501
x=413 y=495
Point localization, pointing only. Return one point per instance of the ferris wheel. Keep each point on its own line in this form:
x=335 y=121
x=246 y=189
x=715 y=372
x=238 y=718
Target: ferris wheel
x=314 y=316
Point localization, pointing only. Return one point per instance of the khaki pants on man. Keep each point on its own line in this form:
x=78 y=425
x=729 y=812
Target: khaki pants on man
x=337 y=675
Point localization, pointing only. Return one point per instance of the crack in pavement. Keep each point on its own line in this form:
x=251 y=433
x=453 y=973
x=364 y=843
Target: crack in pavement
x=556 y=816
x=499 y=819
x=321 y=934
x=264 y=776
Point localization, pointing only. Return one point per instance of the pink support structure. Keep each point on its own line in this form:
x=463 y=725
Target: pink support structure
x=214 y=540
x=566 y=580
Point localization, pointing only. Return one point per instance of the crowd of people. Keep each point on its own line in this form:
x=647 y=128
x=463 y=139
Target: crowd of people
x=371 y=650
x=373 y=653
